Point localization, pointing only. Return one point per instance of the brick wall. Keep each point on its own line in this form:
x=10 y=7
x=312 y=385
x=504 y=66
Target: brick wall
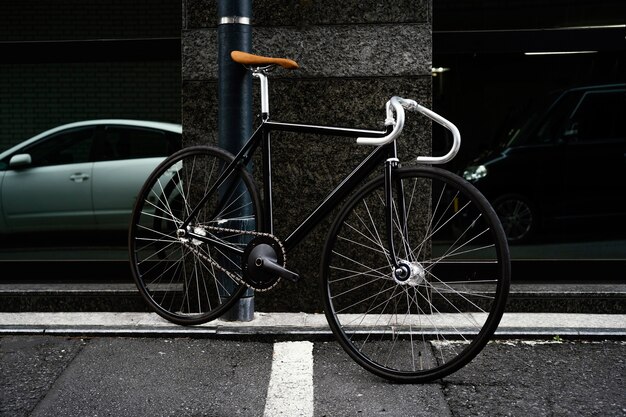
x=70 y=84
x=354 y=55
x=32 y=20
x=36 y=97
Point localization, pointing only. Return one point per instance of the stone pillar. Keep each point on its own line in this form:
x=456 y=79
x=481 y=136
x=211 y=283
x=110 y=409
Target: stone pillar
x=354 y=55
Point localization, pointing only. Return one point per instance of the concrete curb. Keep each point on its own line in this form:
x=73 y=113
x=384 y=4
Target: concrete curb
x=289 y=325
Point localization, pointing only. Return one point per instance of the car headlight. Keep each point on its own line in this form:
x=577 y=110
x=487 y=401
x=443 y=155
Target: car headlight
x=474 y=173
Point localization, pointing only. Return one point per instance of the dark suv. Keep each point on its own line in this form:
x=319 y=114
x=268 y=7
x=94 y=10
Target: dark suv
x=566 y=159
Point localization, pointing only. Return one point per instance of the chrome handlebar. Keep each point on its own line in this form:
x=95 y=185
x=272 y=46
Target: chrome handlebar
x=397 y=105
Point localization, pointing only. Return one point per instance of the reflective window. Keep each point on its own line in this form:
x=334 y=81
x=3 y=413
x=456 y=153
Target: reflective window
x=71 y=147
x=599 y=117
x=552 y=122
x=131 y=143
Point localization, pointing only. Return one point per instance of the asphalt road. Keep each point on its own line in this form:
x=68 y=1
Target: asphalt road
x=125 y=376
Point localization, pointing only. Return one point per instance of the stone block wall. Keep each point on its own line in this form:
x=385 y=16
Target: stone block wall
x=354 y=55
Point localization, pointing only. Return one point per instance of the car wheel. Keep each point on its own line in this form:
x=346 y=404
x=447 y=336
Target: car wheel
x=518 y=216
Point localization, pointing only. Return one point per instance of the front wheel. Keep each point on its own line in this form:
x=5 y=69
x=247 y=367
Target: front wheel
x=518 y=216
x=192 y=275
x=433 y=322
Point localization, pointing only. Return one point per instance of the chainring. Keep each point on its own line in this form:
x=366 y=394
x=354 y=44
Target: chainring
x=260 y=280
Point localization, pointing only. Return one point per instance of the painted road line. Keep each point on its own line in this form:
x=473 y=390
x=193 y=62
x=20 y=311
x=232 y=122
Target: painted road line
x=290 y=391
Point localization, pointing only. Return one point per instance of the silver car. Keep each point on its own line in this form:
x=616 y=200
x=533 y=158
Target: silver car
x=81 y=176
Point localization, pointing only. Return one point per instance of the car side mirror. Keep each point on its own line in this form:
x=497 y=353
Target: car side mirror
x=571 y=133
x=20 y=161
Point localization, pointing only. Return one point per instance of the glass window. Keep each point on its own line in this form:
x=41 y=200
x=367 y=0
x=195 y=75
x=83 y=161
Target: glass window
x=541 y=122
x=550 y=128
x=70 y=147
x=598 y=117
x=133 y=143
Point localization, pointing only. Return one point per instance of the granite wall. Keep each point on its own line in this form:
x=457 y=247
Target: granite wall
x=354 y=55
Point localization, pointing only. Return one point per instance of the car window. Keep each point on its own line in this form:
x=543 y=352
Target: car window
x=540 y=122
x=132 y=143
x=552 y=122
x=598 y=116
x=68 y=147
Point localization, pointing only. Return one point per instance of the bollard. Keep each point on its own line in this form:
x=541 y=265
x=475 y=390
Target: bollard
x=235 y=102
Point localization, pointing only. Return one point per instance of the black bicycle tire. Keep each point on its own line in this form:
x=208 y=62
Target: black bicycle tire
x=163 y=167
x=495 y=314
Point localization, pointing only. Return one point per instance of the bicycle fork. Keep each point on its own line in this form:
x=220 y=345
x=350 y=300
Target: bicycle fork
x=404 y=271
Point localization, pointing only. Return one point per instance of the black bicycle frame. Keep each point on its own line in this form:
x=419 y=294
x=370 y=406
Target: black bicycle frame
x=262 y=137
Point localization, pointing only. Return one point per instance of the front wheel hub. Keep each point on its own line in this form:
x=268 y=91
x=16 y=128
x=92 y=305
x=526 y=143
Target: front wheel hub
x=409 y=273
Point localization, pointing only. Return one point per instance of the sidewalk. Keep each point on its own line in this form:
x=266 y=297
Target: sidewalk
x=76 y=364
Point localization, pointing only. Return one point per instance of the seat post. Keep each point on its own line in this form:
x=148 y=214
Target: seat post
x=265 y=101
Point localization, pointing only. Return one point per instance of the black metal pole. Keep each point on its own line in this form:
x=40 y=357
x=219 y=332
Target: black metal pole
x=235 y=102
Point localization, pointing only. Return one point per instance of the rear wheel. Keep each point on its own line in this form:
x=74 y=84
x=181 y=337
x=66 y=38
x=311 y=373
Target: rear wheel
x=428 y=324
x=192 y=275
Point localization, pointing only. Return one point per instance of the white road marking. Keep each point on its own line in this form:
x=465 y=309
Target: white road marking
x=290 y=391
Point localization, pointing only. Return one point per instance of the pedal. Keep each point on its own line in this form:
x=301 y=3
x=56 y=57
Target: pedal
x=269 y=265
x=263 y=264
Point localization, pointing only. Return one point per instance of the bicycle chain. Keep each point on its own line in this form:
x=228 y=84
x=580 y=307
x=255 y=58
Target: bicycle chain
x=230 y=274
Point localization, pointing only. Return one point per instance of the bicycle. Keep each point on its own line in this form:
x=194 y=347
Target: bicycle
x=415 y=270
